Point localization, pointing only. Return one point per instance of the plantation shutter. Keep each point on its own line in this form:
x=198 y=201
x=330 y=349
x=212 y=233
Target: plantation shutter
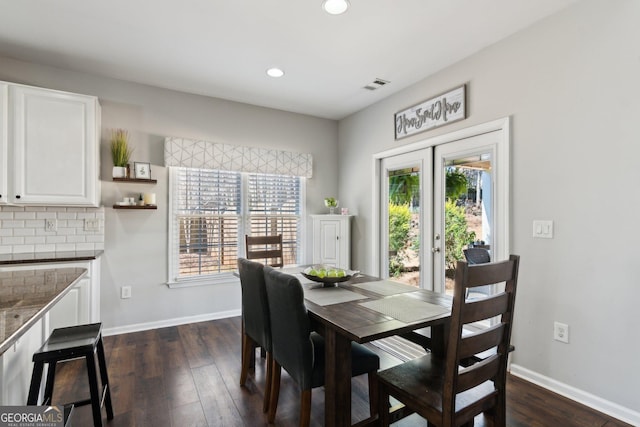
x=206 y=215
x=274 y=207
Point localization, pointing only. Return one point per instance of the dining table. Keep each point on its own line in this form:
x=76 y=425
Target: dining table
x=363 y=309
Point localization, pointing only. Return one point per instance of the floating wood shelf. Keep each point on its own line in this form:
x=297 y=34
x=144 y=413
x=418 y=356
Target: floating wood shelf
x=135 y=207
x=138 y=180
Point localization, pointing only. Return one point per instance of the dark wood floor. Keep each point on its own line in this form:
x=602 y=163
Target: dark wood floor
x=188 y=376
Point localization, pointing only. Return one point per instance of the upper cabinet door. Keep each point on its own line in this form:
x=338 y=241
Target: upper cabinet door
x=55 y=147
x=4 y=140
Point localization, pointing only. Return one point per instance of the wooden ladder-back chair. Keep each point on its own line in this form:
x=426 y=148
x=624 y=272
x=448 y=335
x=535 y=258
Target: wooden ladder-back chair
x=268 y=248
x=438 y=387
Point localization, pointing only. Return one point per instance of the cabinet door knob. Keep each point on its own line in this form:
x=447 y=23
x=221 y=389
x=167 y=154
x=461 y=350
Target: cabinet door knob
x=17 y=196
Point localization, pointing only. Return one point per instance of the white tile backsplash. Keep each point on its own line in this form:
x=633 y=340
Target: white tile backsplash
x=22 y=229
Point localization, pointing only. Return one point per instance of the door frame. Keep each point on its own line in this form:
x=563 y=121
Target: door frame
x=502 y=181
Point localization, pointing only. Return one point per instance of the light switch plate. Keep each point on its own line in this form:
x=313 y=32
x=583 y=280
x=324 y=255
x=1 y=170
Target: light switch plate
x=543 y=229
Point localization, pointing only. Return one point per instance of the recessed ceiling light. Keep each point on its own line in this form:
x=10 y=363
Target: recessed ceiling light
x=275 y=72
x=335 y=7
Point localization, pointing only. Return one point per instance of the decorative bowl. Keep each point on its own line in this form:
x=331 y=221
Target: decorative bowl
x=348 y=274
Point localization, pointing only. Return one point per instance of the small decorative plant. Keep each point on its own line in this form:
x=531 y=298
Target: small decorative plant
x=331 y=203
x=120 y=150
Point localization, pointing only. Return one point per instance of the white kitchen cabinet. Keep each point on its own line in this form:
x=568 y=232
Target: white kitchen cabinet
x=4 y=139
x=332 y=240
x=81 y=304
x=52 y=147
x=16 y=366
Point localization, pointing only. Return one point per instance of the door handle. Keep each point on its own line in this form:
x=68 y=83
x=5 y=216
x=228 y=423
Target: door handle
x=435 y=250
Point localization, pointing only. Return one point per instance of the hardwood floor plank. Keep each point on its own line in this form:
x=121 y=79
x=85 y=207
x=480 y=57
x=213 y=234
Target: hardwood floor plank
x=148 y=356
x=195 y=350
x=121 y=367
x=189 y=375
x=219 y=407
x=190 y=415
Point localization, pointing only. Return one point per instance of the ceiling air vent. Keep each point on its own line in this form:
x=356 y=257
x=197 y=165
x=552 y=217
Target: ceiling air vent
x=376 y=84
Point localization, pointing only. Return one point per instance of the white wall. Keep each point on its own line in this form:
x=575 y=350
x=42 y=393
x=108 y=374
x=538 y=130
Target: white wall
x=571 y=85
x=136 y=241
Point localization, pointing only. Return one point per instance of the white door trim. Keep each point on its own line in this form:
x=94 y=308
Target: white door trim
x=502 y=158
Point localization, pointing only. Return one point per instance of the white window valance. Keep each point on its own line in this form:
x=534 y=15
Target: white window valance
x=191 y=153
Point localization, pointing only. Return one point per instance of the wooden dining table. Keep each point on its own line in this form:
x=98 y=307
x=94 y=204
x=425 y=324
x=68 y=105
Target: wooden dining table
x=365 y=309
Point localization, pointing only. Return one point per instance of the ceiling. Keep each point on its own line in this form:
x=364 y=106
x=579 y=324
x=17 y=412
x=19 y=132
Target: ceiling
x=223 y=48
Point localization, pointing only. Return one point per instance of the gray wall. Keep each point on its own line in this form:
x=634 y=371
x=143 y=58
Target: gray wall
x=571 y=86
x=136 y=241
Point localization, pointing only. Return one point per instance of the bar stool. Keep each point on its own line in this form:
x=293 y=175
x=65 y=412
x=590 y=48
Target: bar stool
x=70 y=343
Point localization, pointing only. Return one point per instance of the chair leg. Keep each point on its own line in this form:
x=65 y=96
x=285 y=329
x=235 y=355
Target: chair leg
x=34 y=388
x=499 y=411
x=104 y=377
x=93 y=390
x=48 y=388
x=383 y=405
x=247 y=348
x=267 y=382
x=373 y=393
x=275 y=391
x=305 y=408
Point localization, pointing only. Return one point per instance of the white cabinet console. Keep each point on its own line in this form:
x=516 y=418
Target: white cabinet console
x=49 y=147
x=332 y=240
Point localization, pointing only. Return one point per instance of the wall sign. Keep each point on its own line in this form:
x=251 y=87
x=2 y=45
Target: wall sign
x=443 y=109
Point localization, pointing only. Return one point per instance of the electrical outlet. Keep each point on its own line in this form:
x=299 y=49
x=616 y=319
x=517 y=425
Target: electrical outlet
x=561 y=332
x=91 y=224
x=125 y=292
x=51 y=224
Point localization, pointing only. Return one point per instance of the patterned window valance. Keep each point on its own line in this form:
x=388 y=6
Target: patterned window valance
x=190 y=153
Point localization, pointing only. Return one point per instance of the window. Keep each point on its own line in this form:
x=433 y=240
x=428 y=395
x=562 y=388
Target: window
x=212 y=210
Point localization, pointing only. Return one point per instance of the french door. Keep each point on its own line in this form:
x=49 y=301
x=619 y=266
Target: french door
x=454 y=195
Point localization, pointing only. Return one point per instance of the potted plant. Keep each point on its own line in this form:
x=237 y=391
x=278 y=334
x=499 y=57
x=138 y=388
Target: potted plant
x=120 y=152
x=331 y=203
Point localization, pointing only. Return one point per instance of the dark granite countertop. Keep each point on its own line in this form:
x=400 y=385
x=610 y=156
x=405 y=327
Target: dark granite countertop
x=35 y=257
x=26 y=295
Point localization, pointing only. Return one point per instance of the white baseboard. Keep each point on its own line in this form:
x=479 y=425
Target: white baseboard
x=137 y=327
x=610 y=408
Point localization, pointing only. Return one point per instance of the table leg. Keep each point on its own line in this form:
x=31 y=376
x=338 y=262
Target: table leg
x=439 y=335
x=337 y=385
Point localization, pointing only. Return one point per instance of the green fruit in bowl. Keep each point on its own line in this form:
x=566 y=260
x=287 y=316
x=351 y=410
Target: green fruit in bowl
x=312 y=272
x=321 y=273
x=332 y=273
x=341 y=273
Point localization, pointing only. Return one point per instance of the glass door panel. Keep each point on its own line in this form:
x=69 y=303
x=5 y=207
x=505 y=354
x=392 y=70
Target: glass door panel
x=464 y=200
x=402 y=225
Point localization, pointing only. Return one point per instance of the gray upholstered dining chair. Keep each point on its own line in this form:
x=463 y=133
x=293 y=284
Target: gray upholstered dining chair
x=300 y=351
x=256 y=329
